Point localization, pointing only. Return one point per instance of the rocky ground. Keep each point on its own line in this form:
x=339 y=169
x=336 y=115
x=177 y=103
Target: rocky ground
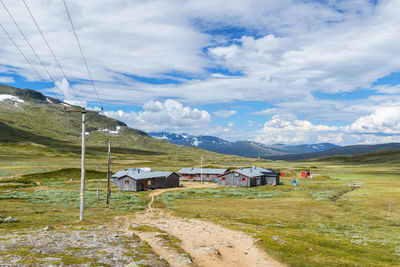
x=72 y=246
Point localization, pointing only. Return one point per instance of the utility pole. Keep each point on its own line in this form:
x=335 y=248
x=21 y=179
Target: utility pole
x=201 y=169
x=82 y=205
x=108 y=172
x=82 y=194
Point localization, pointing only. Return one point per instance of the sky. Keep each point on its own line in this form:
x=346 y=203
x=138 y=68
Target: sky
x=276 y=71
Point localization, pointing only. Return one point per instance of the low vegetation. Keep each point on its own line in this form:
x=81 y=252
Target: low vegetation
x=336 y=221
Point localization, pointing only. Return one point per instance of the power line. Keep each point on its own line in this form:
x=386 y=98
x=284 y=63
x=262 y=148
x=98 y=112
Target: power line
x=48 y=46
x=34 y=52
x=84 y=59
x=29 y=62
x=22 y=53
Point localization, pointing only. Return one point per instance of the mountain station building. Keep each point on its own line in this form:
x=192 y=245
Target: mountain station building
x=200 y=174
x=248 y=177
x=143 y=179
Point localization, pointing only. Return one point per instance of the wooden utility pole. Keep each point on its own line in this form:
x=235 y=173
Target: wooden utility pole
x=201 y=169
x=109 y=172
x=82 y=195
x=82 y=204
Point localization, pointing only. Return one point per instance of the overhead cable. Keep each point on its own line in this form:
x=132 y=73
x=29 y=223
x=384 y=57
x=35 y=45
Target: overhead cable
x=34 y=52
x=84 y=59
x=48 y=46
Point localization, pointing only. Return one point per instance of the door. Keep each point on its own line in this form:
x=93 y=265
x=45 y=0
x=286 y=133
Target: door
x=153 y=182
x=172 y=181
x=144 y=183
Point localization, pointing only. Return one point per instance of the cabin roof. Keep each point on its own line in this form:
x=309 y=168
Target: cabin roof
x=201 y=170
x=130 y=172
x=146 y=175
x=253 y=172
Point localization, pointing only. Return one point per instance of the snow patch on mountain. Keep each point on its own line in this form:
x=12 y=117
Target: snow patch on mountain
x=14 y=99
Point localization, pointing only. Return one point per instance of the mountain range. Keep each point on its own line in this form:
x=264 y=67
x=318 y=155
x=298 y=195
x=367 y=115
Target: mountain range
x=240 y=148
x=274 y=152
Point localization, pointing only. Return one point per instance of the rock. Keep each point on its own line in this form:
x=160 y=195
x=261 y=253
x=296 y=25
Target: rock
x=9 y=220
x=277 y=239
x=132 y=264
x=235 y=260
x=68 y=226
x=47 y=228
x=101 y=227
x=183 y=259
x=116 y=235
x=208 y=251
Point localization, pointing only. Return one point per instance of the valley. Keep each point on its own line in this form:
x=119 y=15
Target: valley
x=339 y=217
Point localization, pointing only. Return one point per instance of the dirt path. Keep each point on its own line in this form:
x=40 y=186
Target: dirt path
x=208 y=244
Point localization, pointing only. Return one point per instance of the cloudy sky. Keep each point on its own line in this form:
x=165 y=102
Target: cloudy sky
x=275 y=71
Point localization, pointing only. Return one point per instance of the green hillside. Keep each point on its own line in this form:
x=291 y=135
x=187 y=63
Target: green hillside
x=380 y=157
x=38 y=135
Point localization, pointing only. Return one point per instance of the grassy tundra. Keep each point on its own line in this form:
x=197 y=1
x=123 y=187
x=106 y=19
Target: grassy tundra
x=338 y=218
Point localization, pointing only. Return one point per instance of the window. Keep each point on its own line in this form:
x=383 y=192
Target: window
x=243 y=179
x=127 y=182
x=149 y=182
x=223 y=178
x=236 y=174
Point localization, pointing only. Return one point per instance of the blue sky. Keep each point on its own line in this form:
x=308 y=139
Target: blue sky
x=274 y=72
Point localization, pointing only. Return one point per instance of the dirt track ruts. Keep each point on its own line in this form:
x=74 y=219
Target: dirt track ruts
x=208 y=244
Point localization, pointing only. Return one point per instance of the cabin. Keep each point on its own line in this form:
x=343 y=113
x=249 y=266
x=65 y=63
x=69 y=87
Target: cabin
x=137 y=179
x=200 y=174
x=249 y=177
x=127 y=171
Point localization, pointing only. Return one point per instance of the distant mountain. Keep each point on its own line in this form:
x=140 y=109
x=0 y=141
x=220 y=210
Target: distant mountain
x=240 y=148
x=345 y=150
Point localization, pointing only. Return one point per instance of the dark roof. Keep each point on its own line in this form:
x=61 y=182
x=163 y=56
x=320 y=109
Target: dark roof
x=147 y=175
x=201 y=170
x=253 y=172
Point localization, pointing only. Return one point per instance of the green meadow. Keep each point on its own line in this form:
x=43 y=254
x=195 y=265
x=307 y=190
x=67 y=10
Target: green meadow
x=337 y=218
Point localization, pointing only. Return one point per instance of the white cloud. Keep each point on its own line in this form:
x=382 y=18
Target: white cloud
x=267 y=111
x=385 y=120
x=303 y=46
x=168 y=115
x=288 y=129
x=381 y=126
x=4 y=79
x=224 y=113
